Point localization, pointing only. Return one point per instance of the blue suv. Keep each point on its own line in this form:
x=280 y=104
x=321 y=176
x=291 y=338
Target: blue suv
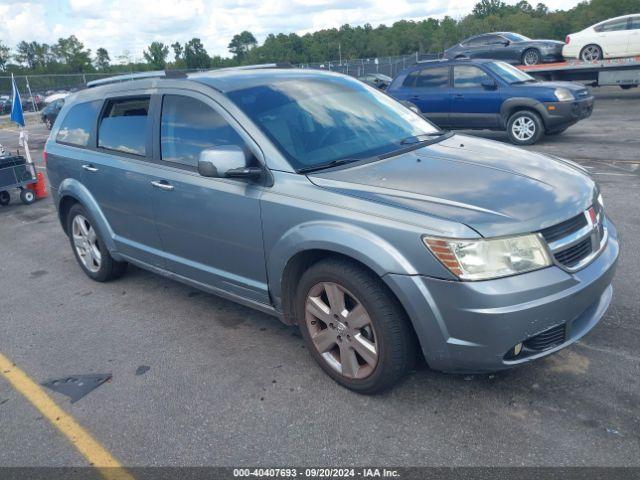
x=488 y=94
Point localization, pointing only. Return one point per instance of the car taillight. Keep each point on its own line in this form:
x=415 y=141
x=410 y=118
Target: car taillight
x=567 y=40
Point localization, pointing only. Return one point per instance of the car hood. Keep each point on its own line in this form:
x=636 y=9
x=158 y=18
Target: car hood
x=574 y=87
x=493 y=188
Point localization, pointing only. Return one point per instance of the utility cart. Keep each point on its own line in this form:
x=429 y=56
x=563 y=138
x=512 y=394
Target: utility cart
x=16 y=172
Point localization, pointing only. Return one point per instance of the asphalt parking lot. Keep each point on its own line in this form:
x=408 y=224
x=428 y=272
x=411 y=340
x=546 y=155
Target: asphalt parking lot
x=230 y=386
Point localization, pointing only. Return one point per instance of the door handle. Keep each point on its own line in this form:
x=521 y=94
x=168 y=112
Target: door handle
x=162 y=185
x=90 y=168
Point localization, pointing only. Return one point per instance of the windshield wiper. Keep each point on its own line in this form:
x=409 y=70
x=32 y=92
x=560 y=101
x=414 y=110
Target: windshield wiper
x=420 y=138
x=332 y=163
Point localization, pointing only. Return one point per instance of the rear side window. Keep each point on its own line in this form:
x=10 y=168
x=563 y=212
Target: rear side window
x=612 y=26
x=78 y=124
x=123 y=126
x=476 y=41
x=428 y=78
x=189 y=126
x=468 y=76
x=635 y=23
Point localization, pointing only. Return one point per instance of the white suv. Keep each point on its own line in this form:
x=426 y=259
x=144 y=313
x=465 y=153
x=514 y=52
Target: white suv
x=616 y=37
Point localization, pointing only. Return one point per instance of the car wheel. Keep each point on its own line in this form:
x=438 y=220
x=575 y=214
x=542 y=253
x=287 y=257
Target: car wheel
x=89 y=249
x=628 y=87
x=524 y=128
x=531 y=57
x=354 y=327
x=5 y=198
x=591 y=53
x=27 y=196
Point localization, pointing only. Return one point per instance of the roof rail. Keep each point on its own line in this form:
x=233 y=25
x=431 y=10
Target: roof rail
x=137 y=76
x=255 y=67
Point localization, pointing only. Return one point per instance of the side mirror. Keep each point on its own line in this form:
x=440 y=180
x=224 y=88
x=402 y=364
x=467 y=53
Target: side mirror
x=226 y=161
x=489 y=84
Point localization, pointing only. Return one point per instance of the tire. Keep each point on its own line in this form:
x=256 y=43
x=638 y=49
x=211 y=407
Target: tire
x=381 y=324
x=524 y=127
x=591 y=53
x=5 y=198
x=531 y=56
x=628 y=87
x=100 y=267
x=27 y=196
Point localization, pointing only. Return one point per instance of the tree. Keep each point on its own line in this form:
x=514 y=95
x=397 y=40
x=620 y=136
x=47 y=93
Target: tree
x=102 y=59
x=33 y=54
x=72 y=53
x=486 y=8
x=241 y=44
x=5 y=54
x=178 y=50
x=156 y=55
x=195 y=55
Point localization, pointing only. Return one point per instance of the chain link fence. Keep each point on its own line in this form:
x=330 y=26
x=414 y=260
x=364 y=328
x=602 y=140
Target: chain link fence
x=360 y=67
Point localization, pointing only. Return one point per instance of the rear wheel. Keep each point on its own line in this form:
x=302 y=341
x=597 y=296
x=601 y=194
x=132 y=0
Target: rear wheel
x=27 y=196
x=524 y=127
x=591 y=53
x=354 y=327
x=5 y=198
x=531 y=57
x=89 y=249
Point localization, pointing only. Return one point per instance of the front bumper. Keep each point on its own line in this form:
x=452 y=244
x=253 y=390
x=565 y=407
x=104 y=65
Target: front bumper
x=471 y=326
x=563 y=114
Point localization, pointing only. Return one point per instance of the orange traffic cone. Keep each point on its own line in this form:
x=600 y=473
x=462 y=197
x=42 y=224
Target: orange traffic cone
x=41 y=187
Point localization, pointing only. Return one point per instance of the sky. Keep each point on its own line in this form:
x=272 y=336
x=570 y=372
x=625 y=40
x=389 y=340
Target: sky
x=126 y=27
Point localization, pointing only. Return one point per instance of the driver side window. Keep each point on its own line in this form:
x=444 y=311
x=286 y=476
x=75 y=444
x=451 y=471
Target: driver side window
x=189 y=126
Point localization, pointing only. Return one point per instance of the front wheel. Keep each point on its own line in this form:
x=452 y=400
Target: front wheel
x=591 y=53
x=89 y=249
x=524 y=128
x=354 y=327
x=531 y=57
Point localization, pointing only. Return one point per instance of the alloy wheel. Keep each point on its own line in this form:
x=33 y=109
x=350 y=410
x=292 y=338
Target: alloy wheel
x=85 y=241
x=591 y=53
x=531 y=57
x=523 y=128
x=341 y=330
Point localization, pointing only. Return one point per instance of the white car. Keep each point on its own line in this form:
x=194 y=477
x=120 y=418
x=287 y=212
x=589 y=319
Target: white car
x=616 y=37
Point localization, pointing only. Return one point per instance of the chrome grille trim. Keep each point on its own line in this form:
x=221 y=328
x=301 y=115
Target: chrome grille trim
x=596 y=231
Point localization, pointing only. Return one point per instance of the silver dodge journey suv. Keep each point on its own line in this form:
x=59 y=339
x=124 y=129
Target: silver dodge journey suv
x=318 y=199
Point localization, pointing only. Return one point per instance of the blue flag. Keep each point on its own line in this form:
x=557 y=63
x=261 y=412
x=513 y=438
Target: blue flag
x=16 y=104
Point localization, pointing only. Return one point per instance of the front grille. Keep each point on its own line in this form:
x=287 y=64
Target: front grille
x=547 y=339
x=551 y=234
x=571 y=256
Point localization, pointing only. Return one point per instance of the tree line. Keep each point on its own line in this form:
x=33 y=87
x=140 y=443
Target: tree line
x=69 y=55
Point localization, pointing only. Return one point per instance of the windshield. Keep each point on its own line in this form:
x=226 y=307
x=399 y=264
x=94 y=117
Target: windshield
x=515 y=37
x=317 y=120
x=509 y=73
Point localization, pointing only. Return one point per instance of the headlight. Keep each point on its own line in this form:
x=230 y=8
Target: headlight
x=482 y=259
x=563 y=95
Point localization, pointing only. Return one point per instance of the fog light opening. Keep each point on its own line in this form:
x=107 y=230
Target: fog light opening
x=517 y=349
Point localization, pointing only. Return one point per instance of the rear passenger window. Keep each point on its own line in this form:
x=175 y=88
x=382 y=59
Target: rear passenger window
x=78 y=124
x=433 y=78
x=189 y=126
x=614 y=25
x=123 y=126
x=468 y=76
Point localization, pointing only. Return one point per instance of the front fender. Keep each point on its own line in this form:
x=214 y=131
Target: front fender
x=342 y=238
x=510 y=105
x=70 y=187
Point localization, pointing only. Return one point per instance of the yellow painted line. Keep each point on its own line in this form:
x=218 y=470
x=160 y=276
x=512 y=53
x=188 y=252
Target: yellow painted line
x=82 y=440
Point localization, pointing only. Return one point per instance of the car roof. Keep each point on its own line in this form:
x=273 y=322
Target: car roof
x=224 y=80
x=617 y=18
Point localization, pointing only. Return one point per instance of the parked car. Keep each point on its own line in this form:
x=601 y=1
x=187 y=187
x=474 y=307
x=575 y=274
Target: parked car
x=318 y=199
x=509 y=47
x=5 y=105
x=49 y=113
x=486 y=94
x=616 y=37
x=377 y=80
